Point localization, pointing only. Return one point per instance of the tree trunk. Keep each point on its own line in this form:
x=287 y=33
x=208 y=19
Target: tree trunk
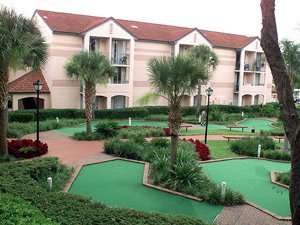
x=174 y=124
x=90 y=92
x=289 y=115
x=199 y=99
x=285 y=143
x=4 y=75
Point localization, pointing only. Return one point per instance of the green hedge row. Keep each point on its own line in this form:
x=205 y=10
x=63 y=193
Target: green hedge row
x=268 y=110
x=21 y=180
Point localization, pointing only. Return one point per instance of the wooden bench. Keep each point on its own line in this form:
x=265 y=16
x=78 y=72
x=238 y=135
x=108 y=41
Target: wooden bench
x=236 y=126
x=233 y=137
x=185 y=126
x=279 y=138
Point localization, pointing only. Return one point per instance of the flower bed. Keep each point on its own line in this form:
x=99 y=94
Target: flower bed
x=26 y=148
x=201 y=149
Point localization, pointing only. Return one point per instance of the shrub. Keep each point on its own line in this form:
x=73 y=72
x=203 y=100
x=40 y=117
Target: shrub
x=158 y=117
x=160 y=168
x=146 y=131
x=26 y=148
x=270 y=110
x=22 y=117
x=126 y=149
x=248 y=146
x=216 y=115
x=167 y=131
x=153 y=110
x=160 y=142
x=17 y=130
x=284 y=178
x=184 y=174
x=17 y=211
x=84 y=136
x=200 y=148
x=121 y=113
x=107 y=129
x=277 y=155
x=231 y=197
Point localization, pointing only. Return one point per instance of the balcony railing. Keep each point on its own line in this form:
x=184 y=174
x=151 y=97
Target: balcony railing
x=120 y=59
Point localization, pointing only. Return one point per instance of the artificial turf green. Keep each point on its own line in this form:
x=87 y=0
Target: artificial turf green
x=252 y=178
x=257 y=124
x=118 y=183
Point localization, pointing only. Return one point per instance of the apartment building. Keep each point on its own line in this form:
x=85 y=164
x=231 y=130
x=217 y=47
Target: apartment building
x=242 y=76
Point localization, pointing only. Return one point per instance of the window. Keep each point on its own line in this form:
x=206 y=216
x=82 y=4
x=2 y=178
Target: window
x=120 y=77
x=119 y=52
x=118 y=102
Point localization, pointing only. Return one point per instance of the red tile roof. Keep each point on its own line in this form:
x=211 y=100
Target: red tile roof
x=69 y=23
x=24 y=84
x=227 y=40
x=74 y=23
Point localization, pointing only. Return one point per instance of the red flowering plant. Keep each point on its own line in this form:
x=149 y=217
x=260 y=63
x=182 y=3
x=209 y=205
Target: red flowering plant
x=26 y=148
x=201 y=149
x=167 y=131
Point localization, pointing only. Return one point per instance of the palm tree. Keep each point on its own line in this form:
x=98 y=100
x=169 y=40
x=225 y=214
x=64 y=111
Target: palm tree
x=90 y=68
x=21 y=46
x=291 y=54
x=172 y=78
x=209 y=60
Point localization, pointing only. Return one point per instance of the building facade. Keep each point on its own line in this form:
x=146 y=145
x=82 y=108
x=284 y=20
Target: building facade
x=242 y=76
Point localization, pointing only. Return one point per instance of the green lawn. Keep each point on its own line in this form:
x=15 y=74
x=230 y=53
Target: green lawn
x=220 y=149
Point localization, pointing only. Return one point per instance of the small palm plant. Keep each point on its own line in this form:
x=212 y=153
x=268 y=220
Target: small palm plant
x=90 y=68
x=172 y=78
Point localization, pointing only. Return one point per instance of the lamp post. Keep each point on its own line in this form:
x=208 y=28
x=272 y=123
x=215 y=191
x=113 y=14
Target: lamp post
x=209 y=92
x=38 y=87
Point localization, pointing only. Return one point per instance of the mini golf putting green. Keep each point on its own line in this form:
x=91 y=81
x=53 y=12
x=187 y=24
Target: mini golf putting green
x=251 y=177
x=118 y=183
x=80 y=128
x=258 y=124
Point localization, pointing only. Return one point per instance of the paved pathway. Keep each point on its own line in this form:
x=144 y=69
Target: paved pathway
x=81 y=152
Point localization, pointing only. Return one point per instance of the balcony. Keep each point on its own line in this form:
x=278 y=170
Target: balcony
x=121 y=59
x=236 y=88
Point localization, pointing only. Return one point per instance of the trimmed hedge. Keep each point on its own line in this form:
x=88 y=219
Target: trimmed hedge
x=121 y=113
x=268 y=110
x=22 y=117
x=21 y=181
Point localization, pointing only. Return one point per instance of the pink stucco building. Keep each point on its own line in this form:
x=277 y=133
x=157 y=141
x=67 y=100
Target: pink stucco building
x=241 y=78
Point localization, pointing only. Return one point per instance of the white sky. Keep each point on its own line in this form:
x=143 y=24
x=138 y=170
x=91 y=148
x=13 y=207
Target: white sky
x=231 y=16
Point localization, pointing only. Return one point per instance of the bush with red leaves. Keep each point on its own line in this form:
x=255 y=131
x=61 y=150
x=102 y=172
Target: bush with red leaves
x=26 y=148
x=201 y=149
x=167 y=131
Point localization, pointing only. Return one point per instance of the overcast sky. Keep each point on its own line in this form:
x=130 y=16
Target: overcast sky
x=231 y=16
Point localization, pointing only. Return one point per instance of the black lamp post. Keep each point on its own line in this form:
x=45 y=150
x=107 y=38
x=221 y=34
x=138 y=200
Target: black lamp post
x=38 y=87
x=209 y=92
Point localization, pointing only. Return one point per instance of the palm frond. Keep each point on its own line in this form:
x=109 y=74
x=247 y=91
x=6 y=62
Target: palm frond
x=149 y=97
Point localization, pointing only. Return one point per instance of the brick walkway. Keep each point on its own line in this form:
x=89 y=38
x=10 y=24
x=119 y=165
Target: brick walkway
x=81 y=152
x=247 y=215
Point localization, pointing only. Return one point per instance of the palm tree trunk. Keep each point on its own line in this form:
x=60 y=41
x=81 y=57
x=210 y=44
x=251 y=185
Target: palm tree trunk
x=90 y=92
x=174 y=124
x=4 y=75
x=289 y=115
x=199 y=99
